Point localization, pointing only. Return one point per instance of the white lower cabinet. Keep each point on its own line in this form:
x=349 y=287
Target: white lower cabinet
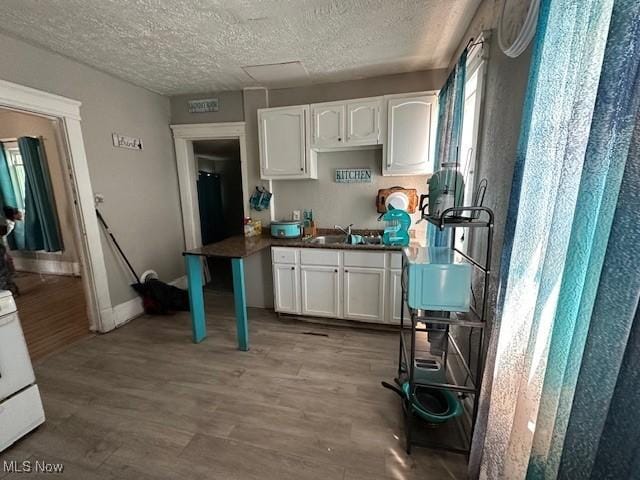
x=286 y=288
x=351 y=284
x=320 y=291
x=364 y=294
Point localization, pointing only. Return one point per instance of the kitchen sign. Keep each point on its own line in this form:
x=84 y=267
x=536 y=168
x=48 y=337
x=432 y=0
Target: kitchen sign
x=353 y=175
x=123 y=141
x=203 y=106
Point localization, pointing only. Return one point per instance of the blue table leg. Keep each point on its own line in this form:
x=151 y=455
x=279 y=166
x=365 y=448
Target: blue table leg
x=240 y=299
x=196 y=298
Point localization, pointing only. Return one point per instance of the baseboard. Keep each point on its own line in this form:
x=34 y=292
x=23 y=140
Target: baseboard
x=133 y=308
x=180 y=282
x=45 y=266
x=127 y=311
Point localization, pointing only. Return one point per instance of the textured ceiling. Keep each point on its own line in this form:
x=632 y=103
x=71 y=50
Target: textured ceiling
x=188 y=46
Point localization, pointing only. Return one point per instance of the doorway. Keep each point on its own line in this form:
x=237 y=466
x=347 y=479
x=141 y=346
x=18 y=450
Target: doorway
x=43 y=260
x=220 y=201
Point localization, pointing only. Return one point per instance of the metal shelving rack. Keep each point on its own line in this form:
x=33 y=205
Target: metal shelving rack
x=442 y=344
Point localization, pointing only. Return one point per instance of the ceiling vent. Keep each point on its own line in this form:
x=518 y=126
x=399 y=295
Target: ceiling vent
x=278 y=74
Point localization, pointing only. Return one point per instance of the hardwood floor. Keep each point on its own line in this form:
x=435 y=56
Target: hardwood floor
x=52 y=310
x=143 y=402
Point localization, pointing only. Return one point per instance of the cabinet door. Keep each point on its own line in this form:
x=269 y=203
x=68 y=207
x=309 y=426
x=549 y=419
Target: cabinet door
x=395 y=293
x=286 y=288
x=410 y=134
x=364 y=294
x=320 y=291
x=283 y=142
x=363 y=122
x=327 y=125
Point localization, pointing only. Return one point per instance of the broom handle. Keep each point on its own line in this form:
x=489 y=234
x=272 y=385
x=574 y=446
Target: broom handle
x=115 y=242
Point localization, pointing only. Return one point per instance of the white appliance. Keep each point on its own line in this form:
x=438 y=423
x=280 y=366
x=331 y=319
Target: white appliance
x=20 y=404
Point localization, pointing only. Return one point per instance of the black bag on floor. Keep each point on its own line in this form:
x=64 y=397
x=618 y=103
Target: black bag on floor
x=161 y=298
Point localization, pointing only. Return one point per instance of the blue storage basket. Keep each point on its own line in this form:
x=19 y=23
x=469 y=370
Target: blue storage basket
x=438 y=278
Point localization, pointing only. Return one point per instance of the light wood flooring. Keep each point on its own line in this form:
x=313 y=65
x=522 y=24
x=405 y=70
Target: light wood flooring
x=52 y=310
x=143 y=402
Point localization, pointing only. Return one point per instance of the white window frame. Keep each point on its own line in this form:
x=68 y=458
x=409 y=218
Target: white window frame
x=476 y=65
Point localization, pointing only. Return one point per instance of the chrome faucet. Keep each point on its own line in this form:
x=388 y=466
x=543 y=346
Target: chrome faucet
x=345 y=230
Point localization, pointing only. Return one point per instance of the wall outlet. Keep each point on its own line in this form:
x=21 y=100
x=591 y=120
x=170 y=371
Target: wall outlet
x=295 y=215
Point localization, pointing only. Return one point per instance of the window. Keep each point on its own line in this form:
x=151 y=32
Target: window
x=16 y=171
x=473 y=90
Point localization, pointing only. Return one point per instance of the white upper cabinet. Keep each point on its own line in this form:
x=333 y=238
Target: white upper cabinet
x=352 y=123
x=283 y=136
x=363 y=121
x=410 y=140
x=328 y=125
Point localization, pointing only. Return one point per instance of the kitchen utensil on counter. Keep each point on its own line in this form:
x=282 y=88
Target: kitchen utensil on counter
x=400 y=198
x=286 y=229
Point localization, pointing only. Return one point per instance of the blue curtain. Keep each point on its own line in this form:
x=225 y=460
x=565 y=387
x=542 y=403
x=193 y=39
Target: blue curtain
x=42 y=231
x=566 y=305
x=448 y=136
x=8 y=198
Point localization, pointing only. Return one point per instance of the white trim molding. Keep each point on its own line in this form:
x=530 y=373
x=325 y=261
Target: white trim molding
x=32 y=100
x=183 y=137
x=46 y=266
x=94 y=271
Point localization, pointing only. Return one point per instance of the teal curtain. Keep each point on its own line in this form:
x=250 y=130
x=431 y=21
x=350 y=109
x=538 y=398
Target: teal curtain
x=8 y=198
x=561 y=364
x=42 y=230
x=449 y=132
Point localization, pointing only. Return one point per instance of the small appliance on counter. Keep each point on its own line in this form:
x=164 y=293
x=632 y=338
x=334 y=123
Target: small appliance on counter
x=286 y=229
x=446 y=190
x=397 y=230
x=20 y=404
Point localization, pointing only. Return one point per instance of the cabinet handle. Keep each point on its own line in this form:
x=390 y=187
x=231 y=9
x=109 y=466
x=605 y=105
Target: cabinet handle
x=346 y=271
x=339 y=139
x=336 y=270
x=293 y=268
x=302 y=169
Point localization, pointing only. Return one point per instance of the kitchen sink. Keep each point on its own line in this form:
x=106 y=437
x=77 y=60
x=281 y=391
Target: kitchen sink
x=342 y=239
x=325 y=239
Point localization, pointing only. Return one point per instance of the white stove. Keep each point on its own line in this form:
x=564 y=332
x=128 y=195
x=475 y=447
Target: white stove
x=20 y=404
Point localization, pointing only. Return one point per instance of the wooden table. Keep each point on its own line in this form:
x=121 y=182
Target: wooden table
x=236 y=248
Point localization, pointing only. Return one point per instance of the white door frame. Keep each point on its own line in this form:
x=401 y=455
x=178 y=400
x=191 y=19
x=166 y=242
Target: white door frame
x=94 y=271
x=183 y=137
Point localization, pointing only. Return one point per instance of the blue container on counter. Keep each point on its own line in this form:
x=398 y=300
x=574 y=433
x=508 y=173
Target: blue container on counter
x=438 y=278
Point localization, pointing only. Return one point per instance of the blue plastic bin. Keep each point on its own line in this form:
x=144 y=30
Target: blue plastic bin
x=438 y=279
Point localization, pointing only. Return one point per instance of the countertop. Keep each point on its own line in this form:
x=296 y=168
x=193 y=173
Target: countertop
x=240 y=246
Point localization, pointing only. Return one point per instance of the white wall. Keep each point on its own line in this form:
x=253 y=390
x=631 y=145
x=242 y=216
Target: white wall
x=142 y=203
x=342 y=203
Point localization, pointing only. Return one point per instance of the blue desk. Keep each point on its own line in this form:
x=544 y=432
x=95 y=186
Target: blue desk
x=236 y=248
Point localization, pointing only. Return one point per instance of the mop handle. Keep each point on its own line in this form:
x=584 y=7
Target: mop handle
x=115 y=242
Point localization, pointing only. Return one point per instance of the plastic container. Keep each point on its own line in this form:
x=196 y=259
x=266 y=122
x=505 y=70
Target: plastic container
x=438 y=279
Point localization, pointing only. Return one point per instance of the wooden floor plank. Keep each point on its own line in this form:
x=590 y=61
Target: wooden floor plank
x=53 y=312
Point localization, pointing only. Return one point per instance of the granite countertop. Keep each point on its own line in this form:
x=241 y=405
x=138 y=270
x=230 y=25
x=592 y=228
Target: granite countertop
x=240 y=246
